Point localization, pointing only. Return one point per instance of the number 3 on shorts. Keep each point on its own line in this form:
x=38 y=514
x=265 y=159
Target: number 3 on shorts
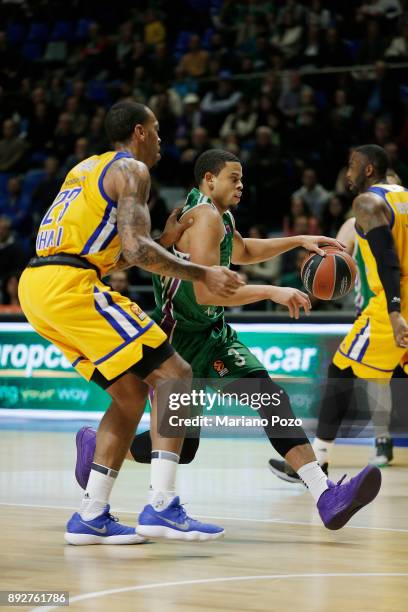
x=239 y=359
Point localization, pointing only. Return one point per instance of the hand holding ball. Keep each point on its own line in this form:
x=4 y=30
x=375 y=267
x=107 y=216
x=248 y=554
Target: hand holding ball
x=331 y=277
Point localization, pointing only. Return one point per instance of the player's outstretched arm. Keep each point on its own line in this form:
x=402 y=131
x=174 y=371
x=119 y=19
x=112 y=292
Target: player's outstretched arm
x=347 y=235
x=255 y=250
x=372 y=218
x=128 y=182
x=205 y=237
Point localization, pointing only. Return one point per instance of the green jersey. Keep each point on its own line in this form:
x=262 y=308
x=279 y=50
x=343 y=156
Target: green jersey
x=176 y=304
x=363 y=293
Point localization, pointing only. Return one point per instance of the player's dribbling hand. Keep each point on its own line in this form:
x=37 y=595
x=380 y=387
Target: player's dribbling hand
x=174 y=229
x=222 y=281
x=400 y=329
x=313 y=243
x=293 y=299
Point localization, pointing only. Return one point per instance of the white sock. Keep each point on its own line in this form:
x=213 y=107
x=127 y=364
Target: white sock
x=322 y=450
x=98 y=490
x=314 y=478
x=163 y=470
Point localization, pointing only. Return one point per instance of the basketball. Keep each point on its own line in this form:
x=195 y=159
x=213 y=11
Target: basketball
x=330 y=277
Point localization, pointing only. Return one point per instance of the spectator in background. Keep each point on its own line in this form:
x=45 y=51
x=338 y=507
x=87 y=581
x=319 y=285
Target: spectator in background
x=333 y=216
x=314 y=194
x=188 y=120
x=317 y=15
x=160 y=65
x=266 y=272
x=373 y=46
x=11 y=251
x=298 y=208
x=79 y=119
x=12 y=148
x=398 y=47
x=399 y=167
x=15 y=206
x=195 y=62
x=46 y=191
x=154 y=29
x=96 y=136
x=64 y=137
x=81 y=152
x=242 y=122
x=40 y=128
x=267 y=176
x=9 y=293
x=334 y=51
x=199 y=142
x=288 y=37
x=382 y=131
x=119 y=282
x=216 y=105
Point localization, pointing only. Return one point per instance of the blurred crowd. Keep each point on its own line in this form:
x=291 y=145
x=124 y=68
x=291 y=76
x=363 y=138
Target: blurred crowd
x=288 y=86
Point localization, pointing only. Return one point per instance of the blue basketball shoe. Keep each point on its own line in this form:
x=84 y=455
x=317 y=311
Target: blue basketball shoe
x=174 y=524
x=104 y=529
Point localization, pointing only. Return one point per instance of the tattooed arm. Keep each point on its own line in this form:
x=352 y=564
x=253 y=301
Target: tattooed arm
x=128 y=182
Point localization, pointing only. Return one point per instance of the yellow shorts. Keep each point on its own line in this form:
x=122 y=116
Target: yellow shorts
x=95 y=327
x=369 y=347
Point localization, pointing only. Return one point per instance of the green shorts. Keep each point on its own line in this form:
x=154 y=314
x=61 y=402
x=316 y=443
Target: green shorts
x=216 y=353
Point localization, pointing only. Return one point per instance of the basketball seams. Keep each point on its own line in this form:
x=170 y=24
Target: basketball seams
x=330 y=277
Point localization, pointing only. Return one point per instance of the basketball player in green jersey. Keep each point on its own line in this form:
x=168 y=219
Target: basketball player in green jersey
x=194 y=320
x=378 y=396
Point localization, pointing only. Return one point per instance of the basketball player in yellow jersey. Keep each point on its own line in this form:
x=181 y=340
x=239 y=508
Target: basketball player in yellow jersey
x=378 y=340
x=101 y=212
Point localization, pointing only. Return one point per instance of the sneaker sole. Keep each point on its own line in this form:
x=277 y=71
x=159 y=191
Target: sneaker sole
x=367 y=491
x=84 y=539
x=284 y=476
x=160 y=531
x=78 y=466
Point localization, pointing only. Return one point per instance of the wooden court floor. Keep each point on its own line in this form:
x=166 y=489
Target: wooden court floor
x=276 y=556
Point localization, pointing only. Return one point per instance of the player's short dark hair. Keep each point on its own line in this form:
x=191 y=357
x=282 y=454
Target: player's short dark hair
x=122 y=118
x=213 y=161
x=376 y=156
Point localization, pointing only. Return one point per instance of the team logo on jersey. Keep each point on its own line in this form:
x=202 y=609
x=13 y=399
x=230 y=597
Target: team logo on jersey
x=220 y=368
x=138 y=312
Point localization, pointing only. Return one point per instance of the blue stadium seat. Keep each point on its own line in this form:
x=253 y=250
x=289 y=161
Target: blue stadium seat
x=181 y=45
x=206 y=38
x=38 y=32
x=15 y=33
x=82 y=29
x=62 y=30
x=97 y=91
x=31 y=51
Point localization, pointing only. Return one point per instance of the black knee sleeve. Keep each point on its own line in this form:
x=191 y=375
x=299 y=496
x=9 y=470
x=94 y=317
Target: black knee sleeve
x=283 y=439
x=141 y=448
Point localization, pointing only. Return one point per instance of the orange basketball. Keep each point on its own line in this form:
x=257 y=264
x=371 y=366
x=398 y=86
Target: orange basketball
x=331 y=277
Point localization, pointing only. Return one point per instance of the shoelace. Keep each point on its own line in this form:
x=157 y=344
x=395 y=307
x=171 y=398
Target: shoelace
x=181 y=512
x=111 y=517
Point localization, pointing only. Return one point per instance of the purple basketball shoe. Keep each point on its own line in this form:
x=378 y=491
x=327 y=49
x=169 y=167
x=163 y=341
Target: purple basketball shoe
x=85 y=443
x=340 y=501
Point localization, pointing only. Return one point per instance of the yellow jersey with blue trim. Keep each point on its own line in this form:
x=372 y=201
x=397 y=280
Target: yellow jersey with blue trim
x=396 y=198
x=82 y=218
